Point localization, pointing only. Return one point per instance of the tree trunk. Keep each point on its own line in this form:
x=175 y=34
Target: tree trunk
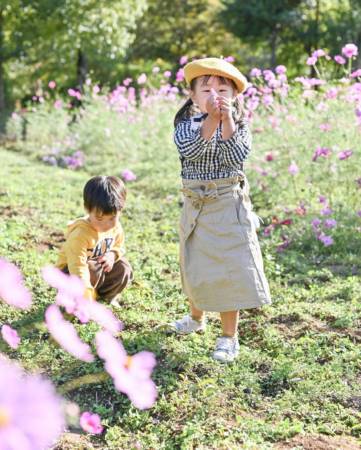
x=82 y=69
x=2 y=81
x=273 y=45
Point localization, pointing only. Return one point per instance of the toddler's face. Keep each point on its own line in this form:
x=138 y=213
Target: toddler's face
x=103 y=222
x=203 y=89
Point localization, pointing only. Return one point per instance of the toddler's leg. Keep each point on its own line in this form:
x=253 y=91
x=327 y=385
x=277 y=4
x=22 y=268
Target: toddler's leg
x=116 y=280
x=229 y=320
x=197 y=314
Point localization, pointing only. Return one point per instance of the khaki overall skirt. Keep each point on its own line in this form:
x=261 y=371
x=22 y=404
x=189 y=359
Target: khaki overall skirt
x=220 y=258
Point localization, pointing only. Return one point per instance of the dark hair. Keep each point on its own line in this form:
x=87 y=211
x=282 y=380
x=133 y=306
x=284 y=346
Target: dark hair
x=104 y=194
x=189 y=109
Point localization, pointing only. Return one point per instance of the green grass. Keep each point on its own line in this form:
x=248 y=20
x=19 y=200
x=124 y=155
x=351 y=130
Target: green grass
x=299 y=371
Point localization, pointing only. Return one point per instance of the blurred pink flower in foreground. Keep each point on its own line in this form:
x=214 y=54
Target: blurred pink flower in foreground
x=65 y=335
x=70 y=296
x=128 y=175
x=131 y=374
x=52 y=84
x=12 y=289
x=31 y=415
x=350 y=50
x=91 y=423
x=10 y=336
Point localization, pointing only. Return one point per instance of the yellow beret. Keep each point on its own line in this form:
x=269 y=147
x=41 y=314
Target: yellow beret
x=215 y=66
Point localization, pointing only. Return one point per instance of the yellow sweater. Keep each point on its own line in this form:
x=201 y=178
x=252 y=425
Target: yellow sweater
x=83 y=242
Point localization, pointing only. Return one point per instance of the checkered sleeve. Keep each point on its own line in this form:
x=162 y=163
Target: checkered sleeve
x=236 y=149
x=190 y=143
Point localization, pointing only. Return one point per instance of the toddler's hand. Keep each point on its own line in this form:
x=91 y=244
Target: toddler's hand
x=107 y=261
x=225 y=105
x=212 y=106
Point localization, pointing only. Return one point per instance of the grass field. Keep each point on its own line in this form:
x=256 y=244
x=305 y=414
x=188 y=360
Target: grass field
x=297 y=382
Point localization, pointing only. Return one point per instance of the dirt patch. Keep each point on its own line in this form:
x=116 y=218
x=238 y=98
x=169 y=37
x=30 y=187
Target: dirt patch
x=317 y=442
x=56 y=238
x=14 y=211
x=73 y=441
x=295 y=330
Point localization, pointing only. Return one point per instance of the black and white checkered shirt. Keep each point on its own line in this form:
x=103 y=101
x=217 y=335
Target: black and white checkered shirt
x=208 y=160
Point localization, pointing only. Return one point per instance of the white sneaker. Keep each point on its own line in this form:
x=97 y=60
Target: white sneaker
x=227 y=349
x=188 y=325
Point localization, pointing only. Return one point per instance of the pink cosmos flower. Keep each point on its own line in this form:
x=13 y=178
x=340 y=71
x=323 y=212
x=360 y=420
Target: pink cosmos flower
x=332 y=93
x=74 y=93
x=350 y=50
x=183 y=60
x=330 y=223
x=91 y=423
x=340 y=59
x=326 y=240
x=322 y=199
x=229 y=59
x=321 y=151
x=70 y=296
x=326 y=211
x=325 y=127
x=345 y=154
x=255 y=72
x=131 y=374
x=293 y=168
x=70 y=288
x=128 y=175
x=311 y=61
x=167 y=74
x=280 y=70
x=12 y=289
x=318 y=53
x=286 y=242
x=52 y=84
x=10 y=336
x=269 y=156
x=127 y=81
x=65 y=335
x=31 y=413
x=356 y=73
x=315 y=224
x=142 y=78
x=179 y=75
x=58 y=104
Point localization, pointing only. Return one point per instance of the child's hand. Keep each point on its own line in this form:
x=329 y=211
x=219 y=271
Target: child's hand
x=212 y=106
x=225 y=105
x=107 y=261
